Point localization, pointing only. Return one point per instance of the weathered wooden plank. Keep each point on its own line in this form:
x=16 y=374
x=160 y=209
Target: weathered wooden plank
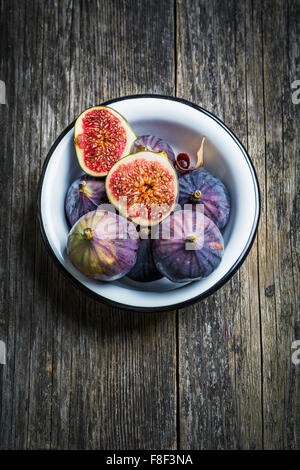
x=291 y=120
x=253 y=407
x=54 y=96
x=21 y=127
x=279 y=272
x=79 y=374
x=219 y=338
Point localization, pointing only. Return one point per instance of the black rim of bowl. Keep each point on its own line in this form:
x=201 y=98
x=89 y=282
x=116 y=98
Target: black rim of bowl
x=192 y=300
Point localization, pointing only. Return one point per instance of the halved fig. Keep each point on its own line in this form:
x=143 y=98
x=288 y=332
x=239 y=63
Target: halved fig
x=102 y=137
x=143 y=187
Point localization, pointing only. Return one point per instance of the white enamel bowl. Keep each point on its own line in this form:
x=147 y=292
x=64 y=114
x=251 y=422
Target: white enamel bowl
x=181 y=124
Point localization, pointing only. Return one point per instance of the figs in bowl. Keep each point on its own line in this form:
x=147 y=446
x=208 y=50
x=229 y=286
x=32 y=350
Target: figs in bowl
x=180 y=123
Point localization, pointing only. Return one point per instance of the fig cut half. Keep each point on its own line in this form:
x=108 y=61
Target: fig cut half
x=143 y=187
x=102 y=136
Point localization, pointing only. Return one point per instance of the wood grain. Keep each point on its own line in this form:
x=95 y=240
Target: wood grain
x=280 y=224
x=80 y=375
x=237 y=383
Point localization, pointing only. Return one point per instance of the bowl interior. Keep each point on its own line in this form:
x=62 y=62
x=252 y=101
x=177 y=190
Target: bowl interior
x=182 y=126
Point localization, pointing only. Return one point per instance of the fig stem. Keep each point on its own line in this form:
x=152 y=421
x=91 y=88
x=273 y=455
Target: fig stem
x=88 y=233
x=200 y=157
x=196 y=195
x=191 y=237
x=82 y=185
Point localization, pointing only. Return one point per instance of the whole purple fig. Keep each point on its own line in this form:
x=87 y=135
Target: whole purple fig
x=103 y=245
x=144 y=269
x=84 y=195
x=201 y=187
x=153 y=144
x=189 y=247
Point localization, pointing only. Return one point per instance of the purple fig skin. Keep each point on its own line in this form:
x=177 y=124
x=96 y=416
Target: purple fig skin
x=144 y=270
x=154 y=144
x=103 y=245
x=84 y=195
x=213 y=195
x=190 y=246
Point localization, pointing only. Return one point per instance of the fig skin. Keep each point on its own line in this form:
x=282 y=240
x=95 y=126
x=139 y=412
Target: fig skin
x=103 y=245
x=144 y=270
x=84 y=195
x=201 y=187
x=155 y=144
x=189 y=247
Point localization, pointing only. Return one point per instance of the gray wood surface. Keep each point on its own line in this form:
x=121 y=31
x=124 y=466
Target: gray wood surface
x=80 y=375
